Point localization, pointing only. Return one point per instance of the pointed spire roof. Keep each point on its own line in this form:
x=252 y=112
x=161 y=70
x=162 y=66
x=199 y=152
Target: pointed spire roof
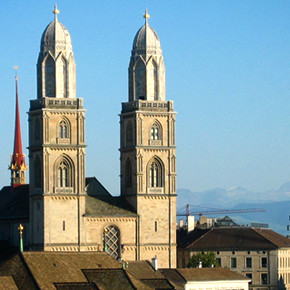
x=17 y=158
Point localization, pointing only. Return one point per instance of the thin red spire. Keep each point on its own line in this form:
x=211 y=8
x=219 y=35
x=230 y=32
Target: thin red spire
x=17 y=159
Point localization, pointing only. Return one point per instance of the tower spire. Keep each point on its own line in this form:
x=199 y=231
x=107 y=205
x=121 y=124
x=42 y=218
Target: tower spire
x=17 y=165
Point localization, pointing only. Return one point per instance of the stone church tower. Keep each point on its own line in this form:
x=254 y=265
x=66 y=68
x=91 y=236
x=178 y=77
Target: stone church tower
x=56 y=147
x=148 y=170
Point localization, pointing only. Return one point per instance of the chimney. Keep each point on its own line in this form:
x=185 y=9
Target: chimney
x=155 y=263
x=190 y=223
x=181 y=224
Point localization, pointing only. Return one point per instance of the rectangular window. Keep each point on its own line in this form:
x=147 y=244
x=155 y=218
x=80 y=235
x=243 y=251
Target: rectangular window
x=219 y=261
x=156 y=226
x=264 y=262
x=264 y=278
x=249 y=275
x=63 y=225
x=248 y=262
x=233 y=262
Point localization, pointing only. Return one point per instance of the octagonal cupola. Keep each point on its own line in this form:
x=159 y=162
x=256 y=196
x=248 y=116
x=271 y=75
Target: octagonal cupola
x=146 y=68
x=56 y=65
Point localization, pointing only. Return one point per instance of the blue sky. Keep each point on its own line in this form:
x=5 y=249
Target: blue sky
x=227 y=69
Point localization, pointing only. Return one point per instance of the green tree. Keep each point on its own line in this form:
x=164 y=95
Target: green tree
x=208 y=259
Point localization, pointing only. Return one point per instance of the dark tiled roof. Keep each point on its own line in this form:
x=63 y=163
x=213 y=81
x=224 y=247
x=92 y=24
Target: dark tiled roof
x=17 y=268
x=144 y=270
x=239 y=238
x=158 y=283
x=273 y=237
x=76 y=286
x=210 y=274
x=48 y=268
x=108 y=206
x=114 y=279
x=94 y=187
x=7 y=282
x=174 y=277
x=136 y=282
x=184 y=239
x=14 y=202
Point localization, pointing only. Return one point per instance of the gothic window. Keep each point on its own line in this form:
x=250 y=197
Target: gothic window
x=64 y=172
x=112 y=241
x=128 y=174
x=63 y=175
x=129 y=134
x=155 y=174
x=140 y=80
x=63 y=129
x=61 y=78
x=155 y=132
x=151 y=82
x=49 y=77
x=37 y=172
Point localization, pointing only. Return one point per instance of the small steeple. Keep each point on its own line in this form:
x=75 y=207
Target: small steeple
x=17 y=165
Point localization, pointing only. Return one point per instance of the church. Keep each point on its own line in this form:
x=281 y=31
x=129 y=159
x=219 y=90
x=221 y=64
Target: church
x=62 y=210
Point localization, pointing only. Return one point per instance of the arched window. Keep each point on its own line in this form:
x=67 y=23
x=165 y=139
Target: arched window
x=37 y=172
x=63 y=129
x=128 y=174
x=151 y=82
x=64 y=173
x=155 y=173
x=111 y=238
x=155 y=132
x=129 y=134
x=49 y=77
x=61 y=78
x=140 y=80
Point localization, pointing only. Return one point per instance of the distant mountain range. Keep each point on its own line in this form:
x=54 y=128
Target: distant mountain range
x=275 y=202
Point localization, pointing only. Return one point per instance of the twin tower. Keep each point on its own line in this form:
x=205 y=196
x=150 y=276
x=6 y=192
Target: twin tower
x=61 y=211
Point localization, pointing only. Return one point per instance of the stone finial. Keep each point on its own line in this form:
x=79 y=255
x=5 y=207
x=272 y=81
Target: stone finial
x=55 y=11
x=146 y=15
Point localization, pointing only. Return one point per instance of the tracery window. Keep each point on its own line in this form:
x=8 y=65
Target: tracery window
x=63 y=129
x=49 y=77
x=155 y=174
x=140 y=80
x=155 y=132
x=112 y=241
x=63 y=175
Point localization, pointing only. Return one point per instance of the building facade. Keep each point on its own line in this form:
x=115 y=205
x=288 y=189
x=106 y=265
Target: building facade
x=65 y=211
x=259 y=254
x=148 y=154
